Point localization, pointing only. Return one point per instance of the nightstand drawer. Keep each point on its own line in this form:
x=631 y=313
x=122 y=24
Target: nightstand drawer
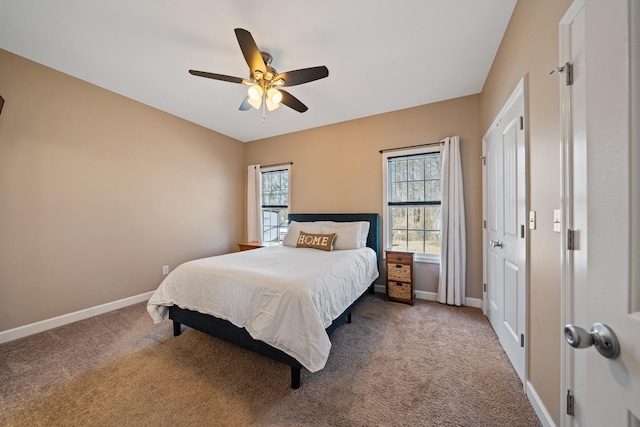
x=399 y=272
x=401 y=258
x=399 y=290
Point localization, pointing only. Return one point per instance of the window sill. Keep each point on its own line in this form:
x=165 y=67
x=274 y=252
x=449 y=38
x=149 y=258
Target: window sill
x=426 y=259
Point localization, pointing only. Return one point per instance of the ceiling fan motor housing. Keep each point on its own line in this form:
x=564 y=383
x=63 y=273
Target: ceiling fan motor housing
x=265 y=80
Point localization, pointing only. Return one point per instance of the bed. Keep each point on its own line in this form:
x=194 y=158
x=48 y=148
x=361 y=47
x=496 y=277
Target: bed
x=317 y=289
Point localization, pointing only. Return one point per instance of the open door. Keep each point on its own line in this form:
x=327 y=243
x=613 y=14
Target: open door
x=601 y=213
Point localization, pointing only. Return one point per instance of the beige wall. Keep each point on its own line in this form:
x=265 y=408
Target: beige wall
x=97 y=192
x=338 y=168
x=530 y=47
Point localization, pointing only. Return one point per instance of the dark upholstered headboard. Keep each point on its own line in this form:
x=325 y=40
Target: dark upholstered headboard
x=373 y=240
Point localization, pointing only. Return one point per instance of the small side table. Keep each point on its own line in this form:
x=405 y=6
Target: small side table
x=247 y=246
x=400 y=286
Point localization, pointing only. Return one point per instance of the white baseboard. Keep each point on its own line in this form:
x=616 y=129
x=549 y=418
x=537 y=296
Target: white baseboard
x=44 y=325
x=432 y=296
x=538 y=406
x=473 y=302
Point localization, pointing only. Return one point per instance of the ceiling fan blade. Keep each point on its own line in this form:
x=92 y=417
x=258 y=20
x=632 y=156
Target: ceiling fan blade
x=216 y=76
x=292 y=102
x=304 y=75
x=250 y=51
x=245 y=106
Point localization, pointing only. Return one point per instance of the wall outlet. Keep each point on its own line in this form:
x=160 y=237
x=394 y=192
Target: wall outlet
x=165 y=270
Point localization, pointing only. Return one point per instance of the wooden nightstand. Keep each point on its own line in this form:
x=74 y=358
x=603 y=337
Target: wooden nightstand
x=399 y=266
x=246 y=246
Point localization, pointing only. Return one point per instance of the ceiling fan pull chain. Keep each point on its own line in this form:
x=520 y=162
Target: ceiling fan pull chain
x=264 y=111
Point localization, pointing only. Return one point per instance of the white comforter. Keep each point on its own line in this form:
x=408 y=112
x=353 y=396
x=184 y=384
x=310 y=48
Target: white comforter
x=283 y=296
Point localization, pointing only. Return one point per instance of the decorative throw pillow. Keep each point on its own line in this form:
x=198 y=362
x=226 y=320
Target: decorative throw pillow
x=323 y=242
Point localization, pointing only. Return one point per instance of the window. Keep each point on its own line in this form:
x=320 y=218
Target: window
x=412 y=198
x=275 y=203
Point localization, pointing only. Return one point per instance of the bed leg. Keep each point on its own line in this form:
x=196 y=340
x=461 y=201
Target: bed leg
x=176 y=328
x=349 y=318
x=295 y=377
x=372 y=289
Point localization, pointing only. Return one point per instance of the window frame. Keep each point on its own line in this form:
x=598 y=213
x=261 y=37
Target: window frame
x=386 y=217
x=275 y=168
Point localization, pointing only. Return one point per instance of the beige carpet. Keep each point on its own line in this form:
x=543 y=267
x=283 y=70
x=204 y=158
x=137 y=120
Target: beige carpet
x=395 y=365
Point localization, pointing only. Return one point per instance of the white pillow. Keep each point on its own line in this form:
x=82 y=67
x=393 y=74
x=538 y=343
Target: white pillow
x=294 y=229
x=349 y=235
x=364 y=233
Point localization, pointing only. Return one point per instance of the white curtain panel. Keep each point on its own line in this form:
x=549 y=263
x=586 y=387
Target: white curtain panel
x=451 y=286
x=254 y=213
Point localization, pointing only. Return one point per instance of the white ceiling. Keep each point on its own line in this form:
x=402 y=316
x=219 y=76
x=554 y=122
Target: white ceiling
x=382 y=55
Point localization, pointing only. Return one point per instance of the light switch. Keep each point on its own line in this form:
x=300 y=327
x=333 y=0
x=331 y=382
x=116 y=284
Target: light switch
x=532 y=220
x=557 y=220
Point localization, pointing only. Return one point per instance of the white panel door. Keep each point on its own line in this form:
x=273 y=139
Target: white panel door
x=505 y=233
x=601 y=182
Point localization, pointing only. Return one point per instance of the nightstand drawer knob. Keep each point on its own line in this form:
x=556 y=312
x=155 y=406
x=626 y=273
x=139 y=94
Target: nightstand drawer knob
x=398 y=265
x=399 y=284
x=398 y=258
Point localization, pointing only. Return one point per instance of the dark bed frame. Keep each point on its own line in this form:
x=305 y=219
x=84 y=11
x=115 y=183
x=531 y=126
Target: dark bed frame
x=225 y=330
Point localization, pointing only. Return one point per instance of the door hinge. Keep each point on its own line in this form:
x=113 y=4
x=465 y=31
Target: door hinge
x=484 y=287
x=484 y=160
x=568 y=81
x=570 y=403
x=521 y=123
x=570 y=239
x=484 y=223
x=522 y=231
x=521 y=340
x=567 y=69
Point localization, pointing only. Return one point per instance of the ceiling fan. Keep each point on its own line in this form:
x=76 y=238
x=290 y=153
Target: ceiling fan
x=264 y=81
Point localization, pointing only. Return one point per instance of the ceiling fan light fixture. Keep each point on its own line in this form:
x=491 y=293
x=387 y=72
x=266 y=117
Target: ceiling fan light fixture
x=274 y=95
x=255 y=103
x=255 y=92
x=271 y=105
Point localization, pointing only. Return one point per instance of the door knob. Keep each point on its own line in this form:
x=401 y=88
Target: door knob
x=495 y=243
x=600 y=336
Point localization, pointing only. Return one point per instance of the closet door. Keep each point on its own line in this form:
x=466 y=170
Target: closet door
x=506 y=231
